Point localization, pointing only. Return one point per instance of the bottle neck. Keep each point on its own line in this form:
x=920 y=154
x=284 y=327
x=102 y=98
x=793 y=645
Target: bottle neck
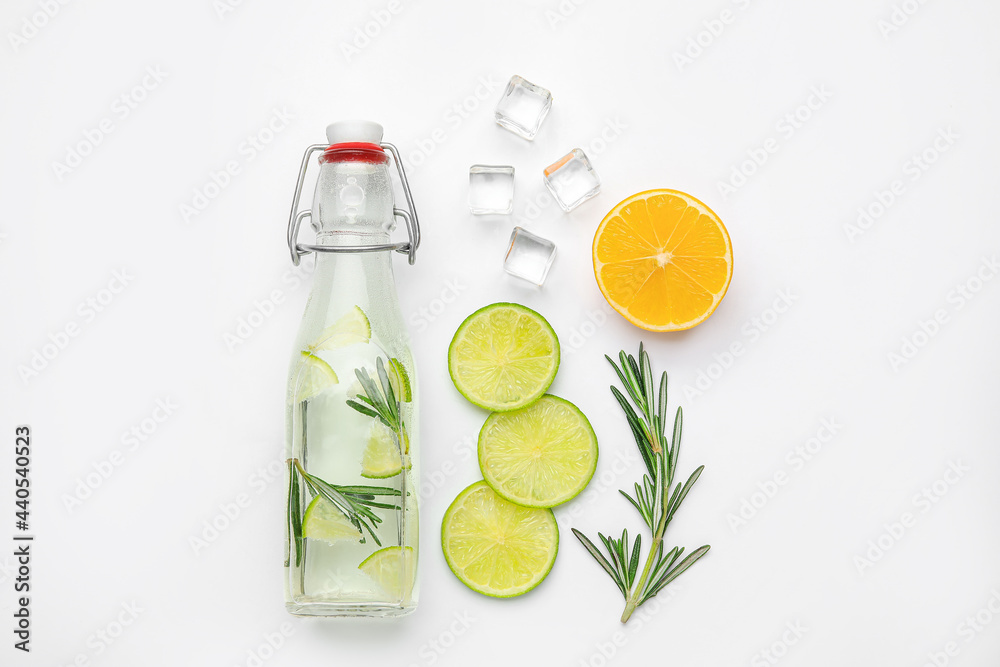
x=353 y=206
x=342 y=281
x=353 y=200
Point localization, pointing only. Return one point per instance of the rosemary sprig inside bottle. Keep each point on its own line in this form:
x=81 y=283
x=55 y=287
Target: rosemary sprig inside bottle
x=653 y=499
x=380 y=402
x=356 y=502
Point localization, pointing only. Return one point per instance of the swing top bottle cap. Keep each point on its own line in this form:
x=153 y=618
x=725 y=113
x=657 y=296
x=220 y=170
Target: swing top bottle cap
x=354 y=131
x=354 y=141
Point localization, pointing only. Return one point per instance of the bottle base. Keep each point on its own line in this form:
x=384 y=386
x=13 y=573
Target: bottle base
x=349 y=609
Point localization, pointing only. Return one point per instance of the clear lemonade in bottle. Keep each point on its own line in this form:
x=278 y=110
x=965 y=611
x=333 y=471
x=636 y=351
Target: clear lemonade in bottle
x=351 y=413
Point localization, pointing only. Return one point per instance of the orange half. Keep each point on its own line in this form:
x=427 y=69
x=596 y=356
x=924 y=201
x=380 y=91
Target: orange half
x=663 y=260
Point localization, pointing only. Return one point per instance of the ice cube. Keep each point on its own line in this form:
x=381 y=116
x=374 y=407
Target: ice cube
x=491 y=189
x=572 y=180
x=529 y=257
x=523 y=107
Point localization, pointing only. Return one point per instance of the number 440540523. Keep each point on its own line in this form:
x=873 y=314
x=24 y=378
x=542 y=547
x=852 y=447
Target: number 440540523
x=22 y=482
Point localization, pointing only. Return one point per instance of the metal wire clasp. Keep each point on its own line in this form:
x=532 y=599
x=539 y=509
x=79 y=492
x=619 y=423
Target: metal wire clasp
x=409 y=217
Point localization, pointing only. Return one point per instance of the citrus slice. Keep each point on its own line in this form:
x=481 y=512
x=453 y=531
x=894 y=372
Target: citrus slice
x=399 y=380
x=503 y=356
x=496 y=547
x=538 y=456
x=392 y=568
x=315 y=376
x=381 y=457
x=323 y=521
x=663 y=260
x=352 y=327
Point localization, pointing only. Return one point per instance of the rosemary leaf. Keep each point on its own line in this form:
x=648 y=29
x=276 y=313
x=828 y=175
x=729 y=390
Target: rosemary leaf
x=678 y=571
x=364 y=399
x=634 y=503
x=385 y=506
x=387 y=391
x=294 y=516
x=363 y=409
x=637 y=431
x=369 y=490
x=633 y=565
x=621 y=375
x=656 y=499
x=675 y=504
x=601 y=560
x=675 y=443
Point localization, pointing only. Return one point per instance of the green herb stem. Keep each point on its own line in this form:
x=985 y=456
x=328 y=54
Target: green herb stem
x=656 y=499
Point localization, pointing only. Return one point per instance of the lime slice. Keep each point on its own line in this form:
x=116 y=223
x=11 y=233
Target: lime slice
x=399 y=380
x=538 y=456
x=392 y=568
x=323 y=521
x=381 y=457
x=315 y=376
x=349 y=329
x=503 y=356
x=496 y=547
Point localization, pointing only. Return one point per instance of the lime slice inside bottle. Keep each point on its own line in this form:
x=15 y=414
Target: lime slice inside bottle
x=352 y=327
x=538 y=456
x=495 y=547
x=315 y=376
x=392 y=568
x=324 y=521
x=399 y=380
x=381 y=457
x=503 y=357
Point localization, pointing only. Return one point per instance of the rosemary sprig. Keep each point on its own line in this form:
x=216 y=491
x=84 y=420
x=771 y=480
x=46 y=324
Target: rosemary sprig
x=294 y=513
x=653 y=499
x=356 y=502
x=379 y=401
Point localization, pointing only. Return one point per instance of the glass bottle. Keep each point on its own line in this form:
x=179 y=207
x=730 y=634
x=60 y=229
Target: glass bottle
x=351 y=418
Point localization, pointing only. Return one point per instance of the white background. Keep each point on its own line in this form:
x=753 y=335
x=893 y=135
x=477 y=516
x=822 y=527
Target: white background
x=854 y=298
